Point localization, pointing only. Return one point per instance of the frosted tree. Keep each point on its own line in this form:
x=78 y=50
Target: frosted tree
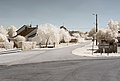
x=67 y=37
x=3 y=38
x=92 y=32
x=114 y=27
x=3 y=30
x=105 y=34
x=64 y=35
x=119 y=25
x=4 y=42
x=100 y=35
x=110 y=33
x=12 y=31
x=47 y=34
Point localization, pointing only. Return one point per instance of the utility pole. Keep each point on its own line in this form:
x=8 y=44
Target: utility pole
x=96 y=26
x=96 y=21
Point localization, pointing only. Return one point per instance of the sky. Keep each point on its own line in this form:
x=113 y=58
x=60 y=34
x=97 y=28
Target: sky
x=73 y=14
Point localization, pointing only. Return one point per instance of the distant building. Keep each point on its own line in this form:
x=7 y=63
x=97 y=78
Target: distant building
x=27 y=31
x=72 y=32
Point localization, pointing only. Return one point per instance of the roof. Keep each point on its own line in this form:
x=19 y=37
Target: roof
x=26 y=30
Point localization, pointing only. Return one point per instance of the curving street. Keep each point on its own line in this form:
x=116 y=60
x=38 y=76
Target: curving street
x=61 y=65
x=37 y=56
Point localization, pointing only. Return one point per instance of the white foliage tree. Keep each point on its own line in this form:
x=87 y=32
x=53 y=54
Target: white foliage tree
x=3 y=38
x=114 y=27
x=48 y=33
x=4 y=41
x=12 y=31
x=64 y=35
x=105 y=34
x=92 y=32
x=67 y=37
x=100 y=35
x=110 y=34
x=3 y=30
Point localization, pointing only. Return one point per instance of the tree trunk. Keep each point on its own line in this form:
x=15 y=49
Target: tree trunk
x=47 y=42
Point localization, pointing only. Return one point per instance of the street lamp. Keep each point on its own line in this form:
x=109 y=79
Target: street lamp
x=96 y=19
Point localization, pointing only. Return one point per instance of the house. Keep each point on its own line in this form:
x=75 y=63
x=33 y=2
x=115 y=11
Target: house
x=27 y=31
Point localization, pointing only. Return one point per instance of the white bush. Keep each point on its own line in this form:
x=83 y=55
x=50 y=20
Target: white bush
x=28 y=45
x=18 y=40
x=8 y=45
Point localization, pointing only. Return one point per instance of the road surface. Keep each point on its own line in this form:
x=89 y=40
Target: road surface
x=76 y=70
x=49 y=55
x=62 y=67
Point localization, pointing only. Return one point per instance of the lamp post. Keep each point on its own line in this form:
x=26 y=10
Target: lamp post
x=96 y=21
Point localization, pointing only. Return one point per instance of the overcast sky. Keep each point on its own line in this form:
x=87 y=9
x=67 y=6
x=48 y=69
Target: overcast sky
x=75 y=14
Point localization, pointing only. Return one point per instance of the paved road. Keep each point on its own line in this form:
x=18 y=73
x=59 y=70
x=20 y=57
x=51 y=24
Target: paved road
x=48 y=55
x=61 y=65
x=76 y=70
